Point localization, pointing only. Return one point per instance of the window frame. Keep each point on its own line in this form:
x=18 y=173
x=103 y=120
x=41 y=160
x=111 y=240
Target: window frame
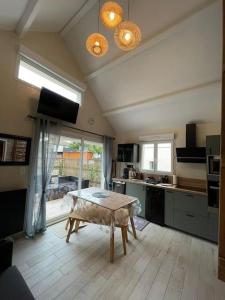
x=155 y=143
x=25 y=54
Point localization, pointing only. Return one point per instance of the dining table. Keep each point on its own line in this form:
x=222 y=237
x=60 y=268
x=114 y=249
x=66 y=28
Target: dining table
x=110 y=200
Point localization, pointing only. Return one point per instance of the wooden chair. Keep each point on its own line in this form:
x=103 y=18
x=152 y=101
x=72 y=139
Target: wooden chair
x=101 y=216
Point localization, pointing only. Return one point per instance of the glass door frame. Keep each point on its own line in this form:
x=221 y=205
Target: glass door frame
x=87 y=139
x=82 y=139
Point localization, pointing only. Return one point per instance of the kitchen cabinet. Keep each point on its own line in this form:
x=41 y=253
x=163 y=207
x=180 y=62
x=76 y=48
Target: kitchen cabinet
x=213 y=226
x=169 y=207
x=191 y=213
x=185 y=211
x=128 y=153
x=191 y=223
x=119 y=187
x=191 y=203
x=139 y=191
x=213 y=145
x=186 y=221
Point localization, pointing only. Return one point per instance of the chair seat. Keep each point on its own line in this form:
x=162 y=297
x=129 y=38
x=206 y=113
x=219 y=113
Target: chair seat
x=100 y=215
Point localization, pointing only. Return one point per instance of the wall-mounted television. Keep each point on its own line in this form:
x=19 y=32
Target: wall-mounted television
x=57 y=106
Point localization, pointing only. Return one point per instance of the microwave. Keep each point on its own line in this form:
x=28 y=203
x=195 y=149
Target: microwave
x=214 y=165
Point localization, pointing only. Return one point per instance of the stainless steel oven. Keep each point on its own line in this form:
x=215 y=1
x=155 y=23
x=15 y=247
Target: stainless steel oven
x=213 y=165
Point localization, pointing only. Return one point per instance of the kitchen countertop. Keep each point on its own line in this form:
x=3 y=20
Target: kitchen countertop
x=165 y=186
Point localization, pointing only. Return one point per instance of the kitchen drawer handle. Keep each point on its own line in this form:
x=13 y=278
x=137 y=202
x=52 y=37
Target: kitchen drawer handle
x=214 y=187
x=189 y=195
x=189 y=215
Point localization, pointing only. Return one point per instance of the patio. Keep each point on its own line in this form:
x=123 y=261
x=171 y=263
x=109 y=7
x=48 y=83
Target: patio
x=58 y=208
x=65 y=176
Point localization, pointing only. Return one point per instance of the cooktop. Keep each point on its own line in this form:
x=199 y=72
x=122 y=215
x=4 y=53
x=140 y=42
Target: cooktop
x=152 y=181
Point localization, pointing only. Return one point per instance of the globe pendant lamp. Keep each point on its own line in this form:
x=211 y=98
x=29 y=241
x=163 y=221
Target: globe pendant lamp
x=127 y=35
x=111 y=14
x=97 y=44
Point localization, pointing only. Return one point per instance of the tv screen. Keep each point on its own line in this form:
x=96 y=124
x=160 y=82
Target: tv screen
x=57 y=106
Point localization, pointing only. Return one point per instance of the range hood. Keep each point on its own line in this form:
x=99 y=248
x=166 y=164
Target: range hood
x=191 y=154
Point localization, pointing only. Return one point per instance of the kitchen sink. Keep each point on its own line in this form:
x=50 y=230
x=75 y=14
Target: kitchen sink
x=134 y=179
x=165 y=184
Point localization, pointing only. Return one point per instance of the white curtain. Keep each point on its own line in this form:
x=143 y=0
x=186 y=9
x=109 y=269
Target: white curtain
x=44 y=151
x=107 y=161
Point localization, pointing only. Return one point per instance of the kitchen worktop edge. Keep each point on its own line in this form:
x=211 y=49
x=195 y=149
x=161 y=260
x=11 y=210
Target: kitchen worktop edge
x=170 y=187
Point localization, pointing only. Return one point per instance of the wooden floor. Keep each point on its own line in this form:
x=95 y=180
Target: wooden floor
x=161 y=264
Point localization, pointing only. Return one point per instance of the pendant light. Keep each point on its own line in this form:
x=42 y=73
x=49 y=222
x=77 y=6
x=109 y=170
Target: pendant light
x=96 y=44
x=127 y=35
x=111 y=14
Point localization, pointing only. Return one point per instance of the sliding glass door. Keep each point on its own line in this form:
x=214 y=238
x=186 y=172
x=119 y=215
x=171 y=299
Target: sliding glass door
x=92 y=163
x=65 y=177
x=78 y=165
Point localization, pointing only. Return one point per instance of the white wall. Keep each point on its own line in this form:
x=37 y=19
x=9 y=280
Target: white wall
x=19 y=99
x=188 y=170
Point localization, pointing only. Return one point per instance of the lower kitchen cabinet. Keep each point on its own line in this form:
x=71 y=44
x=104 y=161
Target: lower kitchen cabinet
x=189 y=212
x=191 y=223
x=185 y=221
x=169 y=207
x=184 y=211
x=138 y=191
x=213 y=227
x=192 y=203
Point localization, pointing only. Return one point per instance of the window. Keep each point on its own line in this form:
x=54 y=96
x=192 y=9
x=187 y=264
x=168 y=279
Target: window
x=40 y=76
x=148 y=157
x=157 y=157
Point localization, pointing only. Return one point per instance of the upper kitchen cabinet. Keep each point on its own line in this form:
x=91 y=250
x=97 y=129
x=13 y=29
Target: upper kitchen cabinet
x=128 y=153
x=213 y=145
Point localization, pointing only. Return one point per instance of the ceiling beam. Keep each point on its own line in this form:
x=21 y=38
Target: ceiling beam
x=77 y=17
x=151 y=42
x=28 y=17
x=160 y=99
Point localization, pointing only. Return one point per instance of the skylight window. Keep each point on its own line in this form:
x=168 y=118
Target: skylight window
x=40 y=76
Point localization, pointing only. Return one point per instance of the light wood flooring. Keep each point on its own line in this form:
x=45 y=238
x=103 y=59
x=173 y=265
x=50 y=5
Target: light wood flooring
x=161 y=264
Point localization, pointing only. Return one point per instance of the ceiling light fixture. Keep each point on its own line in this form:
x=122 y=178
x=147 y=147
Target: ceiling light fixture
x=96 y=44
x=127 y=35
x=111 y=14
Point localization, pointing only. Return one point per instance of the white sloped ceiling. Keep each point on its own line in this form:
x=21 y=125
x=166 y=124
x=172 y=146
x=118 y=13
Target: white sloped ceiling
x=184 y=66
x=10 y=13
x=178 y=64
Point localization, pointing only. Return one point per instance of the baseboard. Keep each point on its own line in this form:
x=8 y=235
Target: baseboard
x=57 y=220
